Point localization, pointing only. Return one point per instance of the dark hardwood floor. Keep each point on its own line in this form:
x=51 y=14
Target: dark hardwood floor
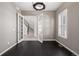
x=35 y=48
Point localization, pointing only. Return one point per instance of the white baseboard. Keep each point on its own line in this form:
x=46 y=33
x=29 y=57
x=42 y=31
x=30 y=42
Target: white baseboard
x=30 y=40
x=39 y=40
x=7 y=49
x=43 y=40
x=20 y=40
x=49 y=40
x=68 y=48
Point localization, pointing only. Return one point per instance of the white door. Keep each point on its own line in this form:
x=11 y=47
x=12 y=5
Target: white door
x=40 y=27
x=20 y=27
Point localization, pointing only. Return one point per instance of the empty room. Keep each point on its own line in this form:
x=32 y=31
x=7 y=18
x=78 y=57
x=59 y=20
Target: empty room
x=39 y=28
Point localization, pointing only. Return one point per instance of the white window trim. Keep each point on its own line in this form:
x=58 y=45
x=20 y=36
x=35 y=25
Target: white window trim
x=61 y=14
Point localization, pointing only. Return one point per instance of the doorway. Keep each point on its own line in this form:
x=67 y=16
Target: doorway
x=33 y=28
x=30 y=28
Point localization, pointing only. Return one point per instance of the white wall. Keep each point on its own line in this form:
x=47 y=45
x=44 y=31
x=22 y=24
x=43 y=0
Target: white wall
x=7 y=25
x=49 y=25
x=72 y=40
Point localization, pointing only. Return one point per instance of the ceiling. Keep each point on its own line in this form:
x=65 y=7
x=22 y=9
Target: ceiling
x=28 y=6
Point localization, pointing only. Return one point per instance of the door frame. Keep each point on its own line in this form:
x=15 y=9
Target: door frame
x=18 y=28
x=39 y=39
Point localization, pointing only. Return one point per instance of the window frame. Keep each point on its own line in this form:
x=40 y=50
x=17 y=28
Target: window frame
x=62 y=24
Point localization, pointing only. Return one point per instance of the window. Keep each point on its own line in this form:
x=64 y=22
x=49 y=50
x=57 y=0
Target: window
x=62 y=24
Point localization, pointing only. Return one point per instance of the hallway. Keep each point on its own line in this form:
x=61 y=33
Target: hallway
x=35 y=48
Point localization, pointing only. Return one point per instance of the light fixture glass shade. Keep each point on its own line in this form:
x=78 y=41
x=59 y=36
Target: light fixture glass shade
x=39 y=6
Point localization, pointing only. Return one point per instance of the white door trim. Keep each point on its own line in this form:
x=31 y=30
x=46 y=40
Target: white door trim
x=18 y=27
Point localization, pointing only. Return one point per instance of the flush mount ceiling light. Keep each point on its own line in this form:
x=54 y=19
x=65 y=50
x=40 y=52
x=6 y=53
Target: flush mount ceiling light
x=38 y=6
